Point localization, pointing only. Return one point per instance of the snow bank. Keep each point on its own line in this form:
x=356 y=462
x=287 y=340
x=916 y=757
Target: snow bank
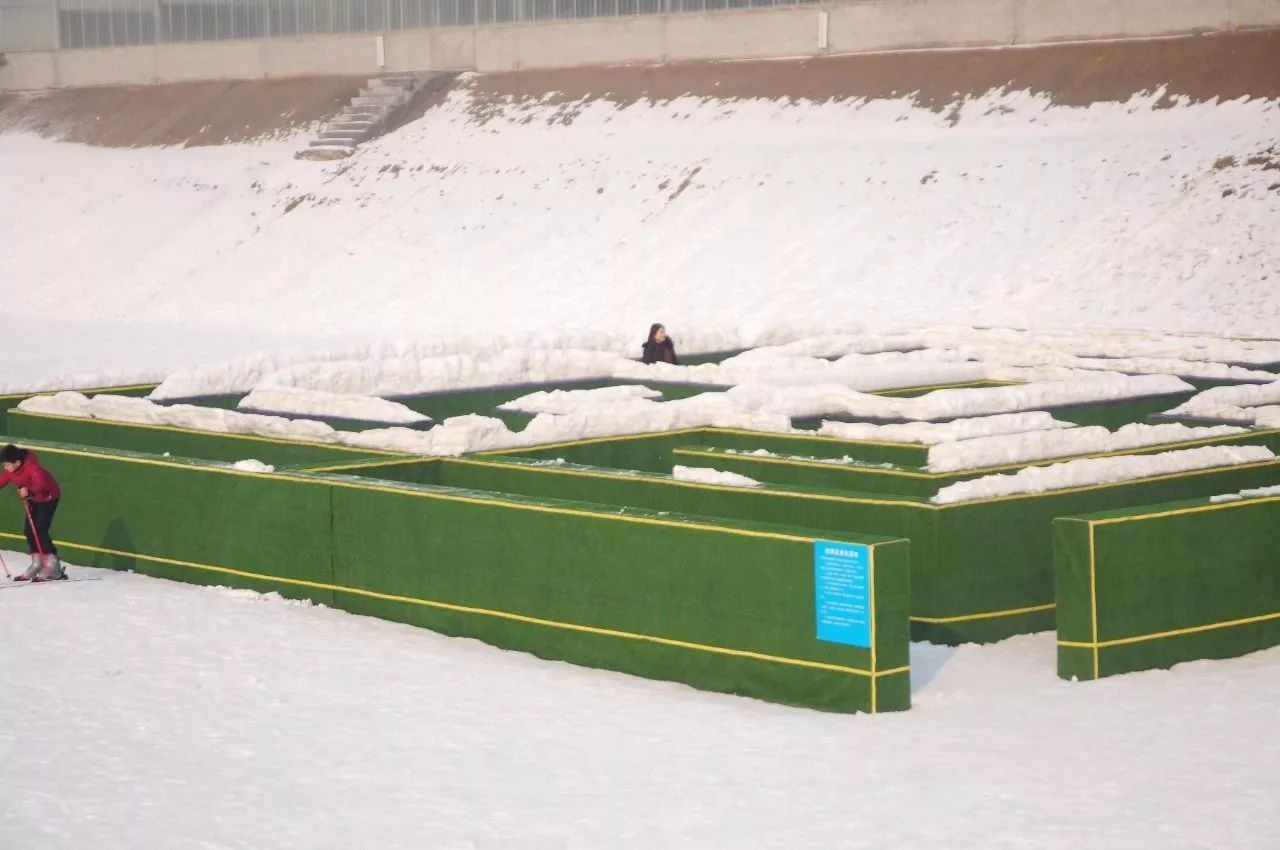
x=1102 y=470
x=416 y=376
x=1254 y=493
x=567 y=401
x=242 y=374
x=860 y=372
x=704 y=475
x=1039 y=445
x=145 y=412
x=1031 y=356
x=454 y=436
x=1111 y=343
x=814 y=401
x=81 y=381
x=316 y=403
x=1226 y=402
x=252 y=465
x=931 y=433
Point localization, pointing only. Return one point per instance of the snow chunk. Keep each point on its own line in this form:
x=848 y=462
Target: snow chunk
x=864 y=373
x=338 y=405
x=813 y=401
x=1226 y=402
x=704 y=475
x=142 y=411
x=68 y=403
x=1101 y=470
x=567 y=401
x=1039 y=445
x=931 y=433
x=1253 y=493
x=252 y=465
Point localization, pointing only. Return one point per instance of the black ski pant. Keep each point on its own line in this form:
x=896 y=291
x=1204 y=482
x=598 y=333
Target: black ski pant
x=41 y=518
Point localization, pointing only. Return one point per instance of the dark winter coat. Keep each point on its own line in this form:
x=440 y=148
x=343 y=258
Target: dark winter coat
x=660 y=352
x=41 y=486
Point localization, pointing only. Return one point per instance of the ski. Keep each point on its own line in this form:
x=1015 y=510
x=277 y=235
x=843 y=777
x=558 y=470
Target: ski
x=13 y=585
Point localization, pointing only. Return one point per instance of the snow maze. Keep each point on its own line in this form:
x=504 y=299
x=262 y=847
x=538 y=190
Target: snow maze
x=678 y=522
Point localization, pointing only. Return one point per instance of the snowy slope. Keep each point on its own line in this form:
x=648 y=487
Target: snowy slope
x=174 y=717
x=693 y=212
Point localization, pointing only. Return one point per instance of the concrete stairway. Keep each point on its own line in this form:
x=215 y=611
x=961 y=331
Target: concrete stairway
x=371 y=111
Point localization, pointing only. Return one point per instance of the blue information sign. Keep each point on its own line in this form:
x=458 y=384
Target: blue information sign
x=842 y=592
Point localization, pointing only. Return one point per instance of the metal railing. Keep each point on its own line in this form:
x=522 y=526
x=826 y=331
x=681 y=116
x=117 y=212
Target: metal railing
x=53 y=24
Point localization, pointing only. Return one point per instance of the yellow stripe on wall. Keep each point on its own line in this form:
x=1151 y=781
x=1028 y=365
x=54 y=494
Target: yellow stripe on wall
x=489 y=612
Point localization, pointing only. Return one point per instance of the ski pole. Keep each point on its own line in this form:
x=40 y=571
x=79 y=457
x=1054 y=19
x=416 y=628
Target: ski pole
x=35 y=534
x=7 y=574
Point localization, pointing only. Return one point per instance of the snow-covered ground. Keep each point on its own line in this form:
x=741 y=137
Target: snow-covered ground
x=148 y=713
x=151 y=713
x=1013 y=212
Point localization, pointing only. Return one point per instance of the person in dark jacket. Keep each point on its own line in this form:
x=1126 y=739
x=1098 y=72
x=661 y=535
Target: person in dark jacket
x=659 y=348
x=39 y=492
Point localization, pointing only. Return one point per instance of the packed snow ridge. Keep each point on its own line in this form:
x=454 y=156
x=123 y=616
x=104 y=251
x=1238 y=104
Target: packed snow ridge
x=707 y=475
x=568 y=401
x=251 y=465
x=456 y=435
x=1009 y=449
x=1232 y=402
x=809 y=402
x=931 y=433
x=296 y=402
x=1104 y=470
x=1252 y=493
x=1111 y=344
x=440 y=363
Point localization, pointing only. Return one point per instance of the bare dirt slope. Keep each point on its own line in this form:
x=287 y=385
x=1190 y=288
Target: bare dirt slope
x=187 y=114
x=1227 y=66
x=1224 y=66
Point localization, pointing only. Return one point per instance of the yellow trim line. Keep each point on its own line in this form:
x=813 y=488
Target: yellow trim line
x=871 y=617
x=627 y=475
x=339 y=447
x=990 y=615
x=1226 y=624
x=870 y=468
x=1218 y=506
x=87 y=391
x=489 y=612
x=409 y=490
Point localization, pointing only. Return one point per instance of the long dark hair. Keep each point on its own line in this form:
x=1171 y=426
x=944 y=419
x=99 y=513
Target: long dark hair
x=654 y=328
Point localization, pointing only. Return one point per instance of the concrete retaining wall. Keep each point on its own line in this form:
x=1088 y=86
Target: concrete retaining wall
x=830 y=28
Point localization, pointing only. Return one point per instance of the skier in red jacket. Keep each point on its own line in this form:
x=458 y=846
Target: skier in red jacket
x=40 y=493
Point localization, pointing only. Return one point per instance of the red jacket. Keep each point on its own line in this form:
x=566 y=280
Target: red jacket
x=41 y=486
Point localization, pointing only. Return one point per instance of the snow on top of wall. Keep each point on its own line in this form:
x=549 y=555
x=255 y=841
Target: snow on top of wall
x=932 y=433
x=414 y=376
x=1033 y=374
x=706 y=475
x=1031 y=356
x=82 y=380
x=1112 y=343
x=145 y=412
x=252 y=465
x=276 y=368
x=865 y=373
x=567 y=401
x=298 y=402
x=1210 y=403
x=1252 y=493
x=454 y=436
x=1102 y=470
x=839 y=345
x=813 y=401
x=1040 y=445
